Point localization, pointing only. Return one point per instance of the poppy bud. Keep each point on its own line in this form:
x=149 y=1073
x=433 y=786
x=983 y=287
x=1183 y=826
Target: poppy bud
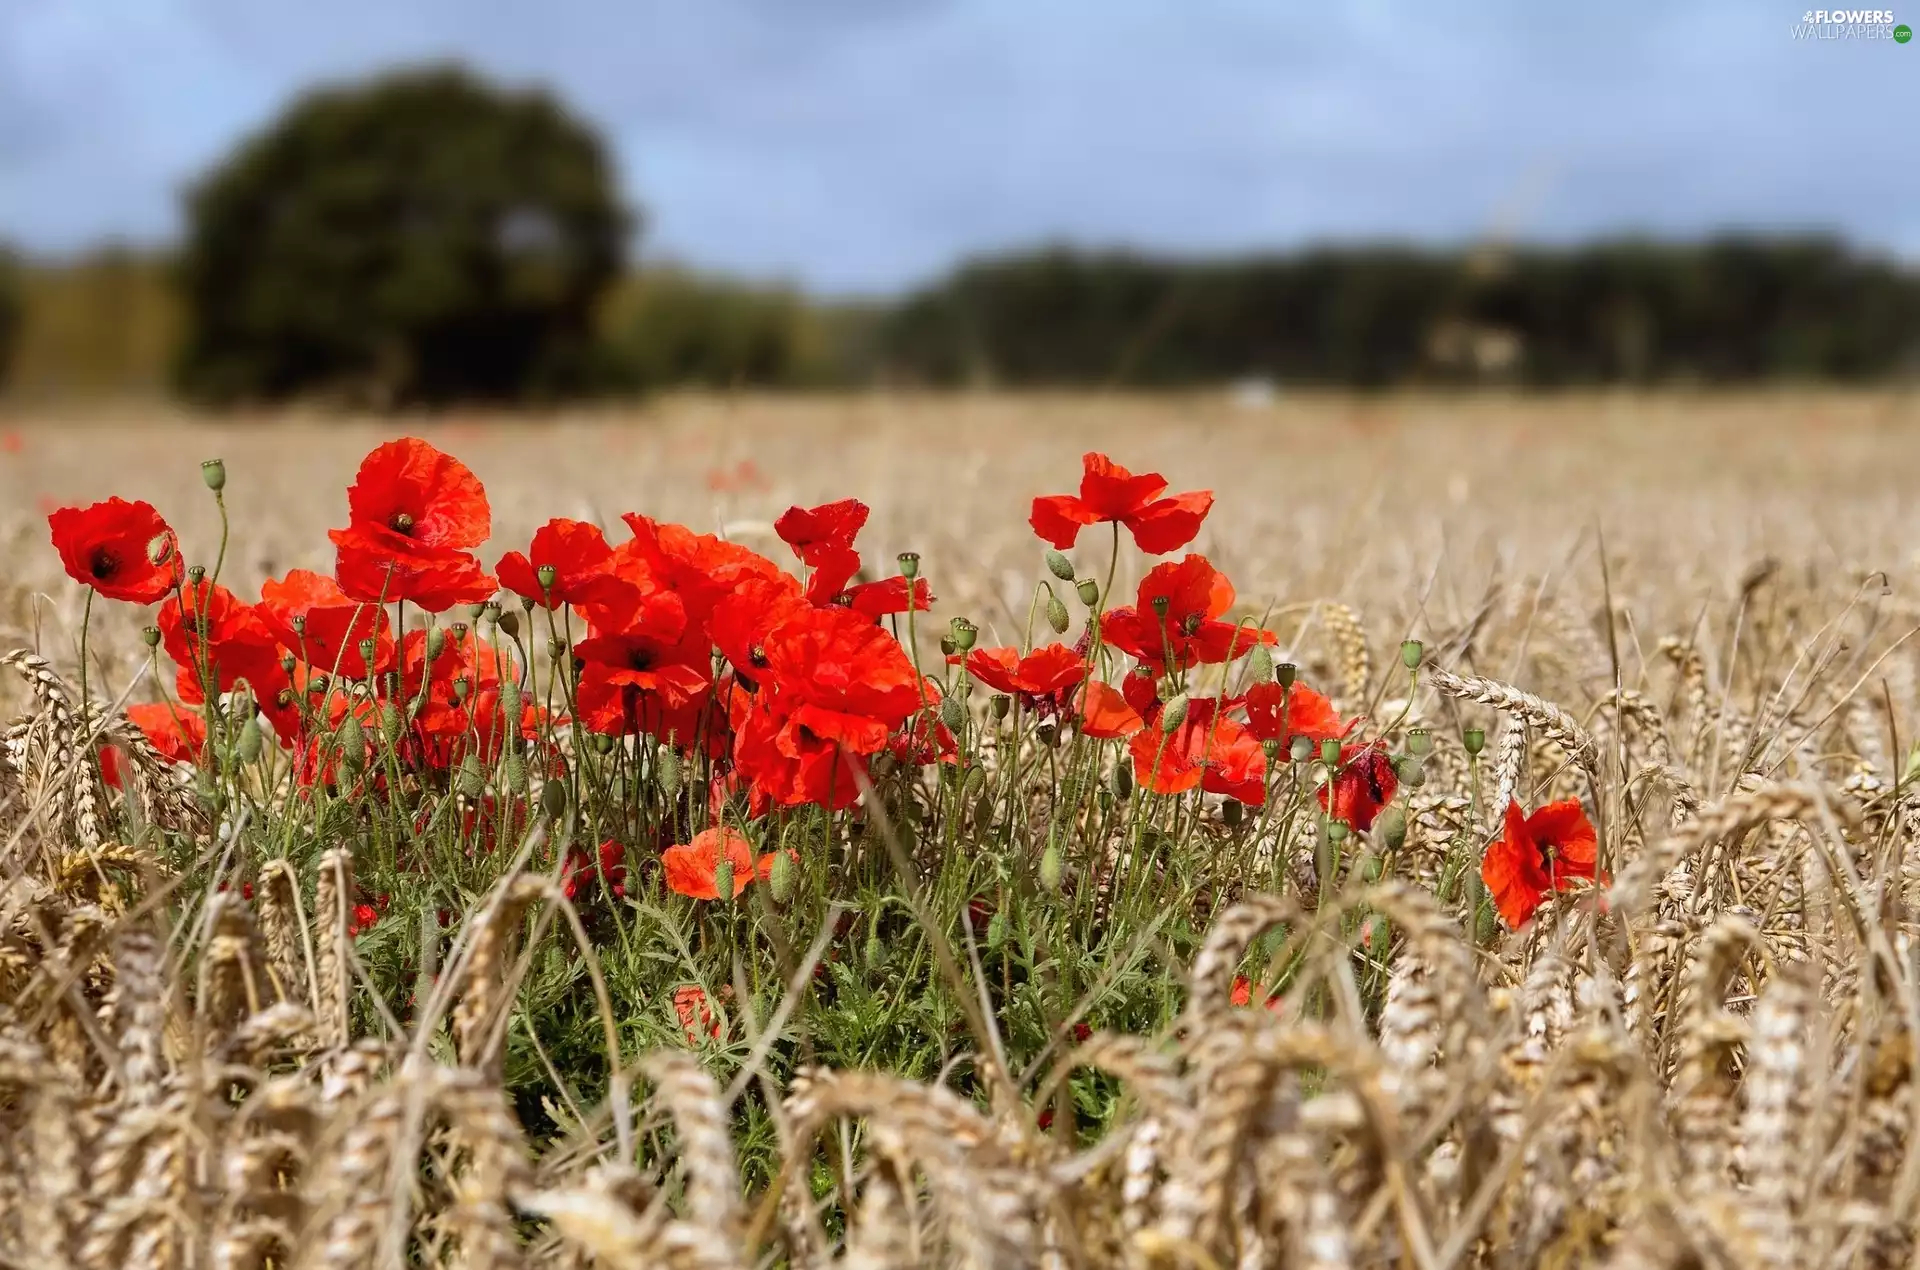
x=947 y=647
x=1390 y=830
x=547 y=576
x=1231 y=812
x=353 y=741
x=603 y=744
x=1059 y=566
x=472 y=780
x=1174 y=713
x=964 y=634
x=196 y=574
x=873 y=952
x=214 y=473
x=1271 y=748
x=1475 y=739
x=1410 y=771
x=952 y=713
x=1302 y=749
x=996 y=930
x=999 y=704
x=666 y=772
x=909 y=565
x=1420 y=742
x=160 y=548
x=515 y=772
x=1089 y=591
x=151 y=634
x=317 y=684
x=246 y=748
x=436 y=641
x=391 y=722
x=1260 y=664
x=1286 y=672
x=780 y=876
x=1122 y=781
x=553 y=798
x=510 y=702
x=723 y=880
x=1410 y=654
x=508 y=622
x=1051 y=867
x=1336 y=831
x=1056 y=614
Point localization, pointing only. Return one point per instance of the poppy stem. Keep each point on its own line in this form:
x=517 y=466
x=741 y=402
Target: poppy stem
x=86 y=617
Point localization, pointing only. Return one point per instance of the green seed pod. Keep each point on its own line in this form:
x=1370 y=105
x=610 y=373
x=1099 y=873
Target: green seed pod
x=472 y=780
x=996 y=930
x=1337 y=831
x=151 y=634
x=298 y=623
x=247 y=746
x=492 y=612
x=1057 y=614
x=1121 y=781
x=1475 y=739
x=1410 y=654
x=214 y=473
x=553 y=798
x=780 y=876
x=1260 y=664
x=1047 y=734
x=546 y=575
x=1302 y=749
x=1232 y=813
x=723 y=880
x=1059 y=566
x=1089 y=591
x=666 y=772
x=1286 y=672
x=1390 y=830
x=515 y=772
x=604 y=744
x=947 y=647
x=196 y=574
x=1000 y=705
x=1410 y=771
x=1420 y=742
x=462 y=687
x=1051 y=867
x=1330 y=752
x=909 y=565
x=436 y=642
x=1271 y=748
x=1174 y=713
x=964 y=634
x=556 y=647
x=474 y=611
x=509 y=623
x=953 y=713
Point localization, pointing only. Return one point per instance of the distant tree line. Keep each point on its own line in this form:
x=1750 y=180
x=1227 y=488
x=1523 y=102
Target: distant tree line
x=1728 y=310
x=427 y=236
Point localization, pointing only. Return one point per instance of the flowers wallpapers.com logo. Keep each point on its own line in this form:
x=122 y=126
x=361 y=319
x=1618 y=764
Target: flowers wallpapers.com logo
x=1851 y=24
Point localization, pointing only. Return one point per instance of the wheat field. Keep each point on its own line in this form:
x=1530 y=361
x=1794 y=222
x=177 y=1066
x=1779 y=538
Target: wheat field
x=1694 y=614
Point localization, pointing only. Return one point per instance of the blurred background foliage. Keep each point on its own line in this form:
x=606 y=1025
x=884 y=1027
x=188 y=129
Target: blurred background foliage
x=426 y=236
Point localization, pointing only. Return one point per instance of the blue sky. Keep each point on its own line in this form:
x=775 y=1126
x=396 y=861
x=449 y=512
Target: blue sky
x=863 y=145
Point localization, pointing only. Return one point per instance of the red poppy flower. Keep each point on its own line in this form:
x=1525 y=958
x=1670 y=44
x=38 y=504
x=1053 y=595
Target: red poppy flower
x=1105 y=714
x=817 y=533
x=208 y=631
x=333 y=626
x=740 y=622
x=122 y=550
x=578 y=553
x=583 y=872
x=1365 y=784
x=1242 y=994
x=365 y=916
x=834 y=661
x=413 y=515
x=1110 y=492
x=1551 y=850
x=176 y=731
x=699 y=568
x=1175 y=622
x=690 y=868
x=695 y=1012
x=1280 y=714
x=627 y=675
x=828 y=587
x=1042 y=672
x=1207 y=750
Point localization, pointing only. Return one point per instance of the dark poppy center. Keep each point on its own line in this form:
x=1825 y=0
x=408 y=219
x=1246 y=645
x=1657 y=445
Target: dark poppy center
x=639 y=659
x=1546 y=850
x=401 y=523
x=103 y=563
x=757 y=657
x=1190 y=624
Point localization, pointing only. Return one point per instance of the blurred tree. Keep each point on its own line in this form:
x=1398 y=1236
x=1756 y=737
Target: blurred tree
x=421 y=237
x=11 y=308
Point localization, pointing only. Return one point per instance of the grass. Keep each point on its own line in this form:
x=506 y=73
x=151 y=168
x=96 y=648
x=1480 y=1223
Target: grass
x=990 y=1016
